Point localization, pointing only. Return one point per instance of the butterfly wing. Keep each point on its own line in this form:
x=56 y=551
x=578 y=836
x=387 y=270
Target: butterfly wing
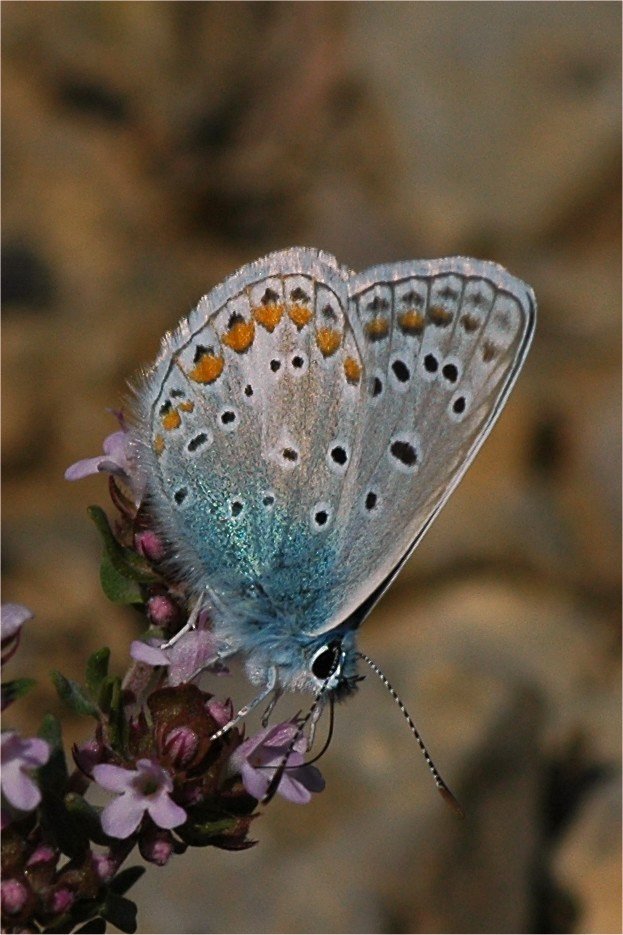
x=443 y=344
x=232 y=433
x=303 y=426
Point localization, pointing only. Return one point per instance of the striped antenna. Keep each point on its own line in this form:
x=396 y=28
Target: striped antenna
x=441 y=785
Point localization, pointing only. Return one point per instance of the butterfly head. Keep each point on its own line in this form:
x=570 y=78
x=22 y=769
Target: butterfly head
x=326 y=664
x=333 y=666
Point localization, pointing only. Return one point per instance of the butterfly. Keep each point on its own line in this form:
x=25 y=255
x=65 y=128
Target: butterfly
x=300 y=431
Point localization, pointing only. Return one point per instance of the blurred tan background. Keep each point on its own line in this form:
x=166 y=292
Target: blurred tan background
x=152 y=148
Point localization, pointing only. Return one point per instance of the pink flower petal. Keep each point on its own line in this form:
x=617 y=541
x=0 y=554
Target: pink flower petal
x=122 y=816
x=190 y=654
x=116 y=447
x=293 y=791
x=111 y=777
x=19 y=789
x=35 y=751
x=165 y=812
x=83 y=468
x=151 y=655
x=255 y=782
x=12 y=618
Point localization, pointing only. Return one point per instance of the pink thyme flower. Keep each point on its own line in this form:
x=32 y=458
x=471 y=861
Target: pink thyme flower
x=117 y=459
x=12 y=618
x=19 y=756
x=144 y=789
x=259 y=757
x=186 y=658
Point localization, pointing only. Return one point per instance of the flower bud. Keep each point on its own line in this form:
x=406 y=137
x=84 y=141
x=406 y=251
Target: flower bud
x=163 y=612
x=148 y=544
x=42 y=856
x=14 y=895
x=180 y=747
x=61 y=900
x=156 y=846
x=221 y=711
x=88 y=755
x=105 y=867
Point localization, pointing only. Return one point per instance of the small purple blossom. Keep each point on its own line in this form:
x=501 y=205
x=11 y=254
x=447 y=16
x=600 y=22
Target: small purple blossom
x=19 y=756
x=105 y=867
x=117 y=459
x=259 y=757
x=156 y=846
x=163 y=612
x=14 y=894
x=149 y=544
x=186 y=658
x=42 y=856
x=12 y=619
x=144 y=789
x=61 y=900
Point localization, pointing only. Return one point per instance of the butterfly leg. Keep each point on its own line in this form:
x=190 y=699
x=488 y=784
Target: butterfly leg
x=265 y=692
x=312 y=726
x=270 y=707
x=190 y=624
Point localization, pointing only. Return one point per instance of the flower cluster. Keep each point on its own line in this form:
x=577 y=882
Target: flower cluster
x=169 y=781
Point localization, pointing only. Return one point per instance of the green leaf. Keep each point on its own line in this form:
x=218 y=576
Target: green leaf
x=120 y=912
x=93 y=927
x=118 y=588
x=199 y=834
x=89 y=817
x=111 y=704
x=73 y=695
x=97 y=670
x=11 y=691
x=126 y=562
x=51 y=732
x=126 y=879
x=53 y=775
x=59 y=826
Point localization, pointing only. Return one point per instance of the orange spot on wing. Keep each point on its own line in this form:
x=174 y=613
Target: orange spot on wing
x=300 y=315
x=240 y=336
x=470 y=322
x=489 y=352
x=352 y=370
x=439 y=316
x=207 y=369
x=328 y=340
x=171 y=420
x=268 y=316
x=159 y=445
x=377 y=328
x=187 y=406
x=411 y=322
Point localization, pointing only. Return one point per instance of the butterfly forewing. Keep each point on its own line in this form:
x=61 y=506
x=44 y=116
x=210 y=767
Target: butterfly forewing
x=251 y=416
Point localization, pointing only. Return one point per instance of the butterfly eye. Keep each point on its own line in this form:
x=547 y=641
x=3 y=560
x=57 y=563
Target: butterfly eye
x=325 y=662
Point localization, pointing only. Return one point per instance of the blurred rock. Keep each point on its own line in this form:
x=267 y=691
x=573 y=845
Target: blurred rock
x=150 y=150
x=587 y=862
